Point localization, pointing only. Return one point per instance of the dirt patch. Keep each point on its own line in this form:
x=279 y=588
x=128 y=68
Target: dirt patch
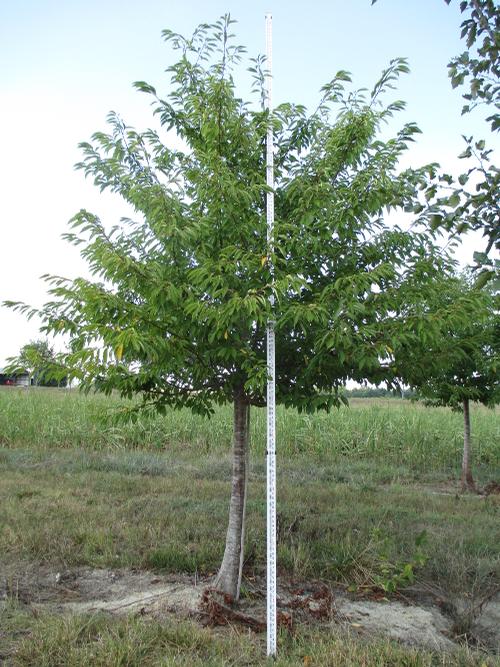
x=454 y=488
x=492 y=489
x=83 y=590
x=86 y=590
x=410 y=624
x=488 y=624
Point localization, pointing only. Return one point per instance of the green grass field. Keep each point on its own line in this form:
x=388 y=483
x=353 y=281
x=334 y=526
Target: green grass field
x=356 y=489
x=389 y=431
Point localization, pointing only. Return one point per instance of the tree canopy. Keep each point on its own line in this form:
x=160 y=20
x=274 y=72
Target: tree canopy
x=180 y=310
x=461 y=364
x=472 y=202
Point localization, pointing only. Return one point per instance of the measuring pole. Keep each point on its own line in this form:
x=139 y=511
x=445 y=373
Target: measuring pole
x=271 y=369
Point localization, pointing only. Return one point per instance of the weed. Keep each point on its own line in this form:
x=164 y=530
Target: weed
x=465 y=580
x=393 y=576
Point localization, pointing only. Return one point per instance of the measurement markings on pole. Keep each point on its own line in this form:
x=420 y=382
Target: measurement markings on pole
x=271 y=369
x=271 y=495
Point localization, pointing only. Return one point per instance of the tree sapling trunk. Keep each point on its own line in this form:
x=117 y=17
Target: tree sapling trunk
x=228 y=579
x=467 y=479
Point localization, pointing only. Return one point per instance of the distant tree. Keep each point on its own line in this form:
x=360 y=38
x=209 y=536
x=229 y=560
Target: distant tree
x=39 y=360
x=460 y=365
x=372 y=392
x=178 y=310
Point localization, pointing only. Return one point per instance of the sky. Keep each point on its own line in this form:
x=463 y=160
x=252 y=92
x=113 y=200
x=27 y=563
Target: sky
x=65 y=65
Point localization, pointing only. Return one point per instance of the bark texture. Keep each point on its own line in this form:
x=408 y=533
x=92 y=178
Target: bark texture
x=228 y=579
x=467 y=479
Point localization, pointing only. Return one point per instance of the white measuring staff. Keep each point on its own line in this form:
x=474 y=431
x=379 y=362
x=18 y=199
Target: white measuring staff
x=271 y=369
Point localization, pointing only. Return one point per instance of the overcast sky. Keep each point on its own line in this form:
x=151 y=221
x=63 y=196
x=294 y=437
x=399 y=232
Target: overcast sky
x=65 y=65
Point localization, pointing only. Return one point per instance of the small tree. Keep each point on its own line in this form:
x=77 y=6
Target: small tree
x=179 y=314
x=462 y=363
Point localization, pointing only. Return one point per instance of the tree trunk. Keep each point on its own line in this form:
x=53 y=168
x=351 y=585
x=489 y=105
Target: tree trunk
x=467 y=480
x=228 y=579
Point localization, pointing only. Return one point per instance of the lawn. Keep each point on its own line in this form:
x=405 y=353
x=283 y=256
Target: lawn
x=368 y=504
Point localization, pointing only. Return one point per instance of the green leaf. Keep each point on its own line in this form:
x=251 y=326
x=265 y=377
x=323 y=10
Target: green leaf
x=480 y=257
x=483 y=278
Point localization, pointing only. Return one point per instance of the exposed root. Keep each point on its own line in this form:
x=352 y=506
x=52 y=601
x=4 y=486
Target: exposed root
x=217 y=608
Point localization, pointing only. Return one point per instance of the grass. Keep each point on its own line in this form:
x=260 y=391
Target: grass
x=391 y=431
x=134 y=509
x=101 y=641
x=356 y=488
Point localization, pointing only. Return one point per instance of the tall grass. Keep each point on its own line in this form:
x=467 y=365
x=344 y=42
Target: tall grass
x=396 y=432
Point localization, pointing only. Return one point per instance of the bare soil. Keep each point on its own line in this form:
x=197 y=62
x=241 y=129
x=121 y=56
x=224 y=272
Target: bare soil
x=417 y=622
